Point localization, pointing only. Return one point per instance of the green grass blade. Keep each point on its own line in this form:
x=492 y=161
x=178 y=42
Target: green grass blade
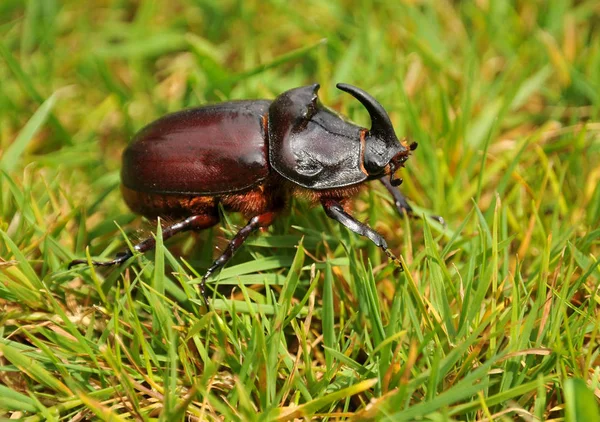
x=580 y=402
x=11 y=157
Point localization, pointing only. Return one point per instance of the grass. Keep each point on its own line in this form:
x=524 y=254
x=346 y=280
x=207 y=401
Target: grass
x=496 y=317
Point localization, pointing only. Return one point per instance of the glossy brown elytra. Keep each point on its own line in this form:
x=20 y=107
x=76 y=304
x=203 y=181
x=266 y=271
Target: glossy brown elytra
x=251 y=156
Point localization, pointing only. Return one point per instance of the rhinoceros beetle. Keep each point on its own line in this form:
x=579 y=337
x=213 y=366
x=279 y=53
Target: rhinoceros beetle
x=251 y=156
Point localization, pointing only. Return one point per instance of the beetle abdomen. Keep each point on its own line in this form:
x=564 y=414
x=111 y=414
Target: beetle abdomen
x=153 y=205
x=250 y=202
x=209 y=150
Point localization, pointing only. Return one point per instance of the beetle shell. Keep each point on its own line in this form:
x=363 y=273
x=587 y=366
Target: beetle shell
x=211 y=150
x=312 y=146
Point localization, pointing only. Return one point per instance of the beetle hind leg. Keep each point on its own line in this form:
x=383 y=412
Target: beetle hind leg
x=195 y=222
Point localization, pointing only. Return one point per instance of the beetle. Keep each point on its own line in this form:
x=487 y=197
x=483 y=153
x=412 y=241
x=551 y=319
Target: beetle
x=252 y=156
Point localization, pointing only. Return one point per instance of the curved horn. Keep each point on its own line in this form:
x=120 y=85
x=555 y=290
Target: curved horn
x=380 y=121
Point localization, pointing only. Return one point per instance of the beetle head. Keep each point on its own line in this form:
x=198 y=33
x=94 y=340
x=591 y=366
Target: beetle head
x=383 y=151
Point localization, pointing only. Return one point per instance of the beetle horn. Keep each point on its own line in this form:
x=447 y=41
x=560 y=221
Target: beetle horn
x=381 y=125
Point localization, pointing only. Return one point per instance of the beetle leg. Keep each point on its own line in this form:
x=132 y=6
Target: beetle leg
x=195 y=222
x=402 y=204
x=334 y=210
x=255 y=223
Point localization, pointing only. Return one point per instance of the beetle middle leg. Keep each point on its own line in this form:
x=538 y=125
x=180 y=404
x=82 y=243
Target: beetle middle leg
x=255 y=223
x=334 y=210
x=195 y=222
x=402 y=204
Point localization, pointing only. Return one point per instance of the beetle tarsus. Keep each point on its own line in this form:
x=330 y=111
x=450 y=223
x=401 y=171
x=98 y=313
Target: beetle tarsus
x=120 y=258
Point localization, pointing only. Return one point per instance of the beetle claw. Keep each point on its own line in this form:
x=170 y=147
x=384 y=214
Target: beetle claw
x=394 y=258
x=439 y=219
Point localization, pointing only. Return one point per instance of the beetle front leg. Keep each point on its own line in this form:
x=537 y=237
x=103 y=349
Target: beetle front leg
x=402 y=204
x=195 y=222
x=334 y=210
x=255 y=223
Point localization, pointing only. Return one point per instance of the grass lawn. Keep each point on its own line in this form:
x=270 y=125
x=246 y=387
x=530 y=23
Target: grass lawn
x=497 y=316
